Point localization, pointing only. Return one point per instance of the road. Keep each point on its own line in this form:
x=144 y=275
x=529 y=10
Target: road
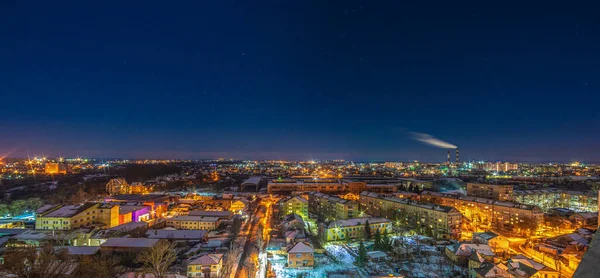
x=249 y=247
x=515 y=245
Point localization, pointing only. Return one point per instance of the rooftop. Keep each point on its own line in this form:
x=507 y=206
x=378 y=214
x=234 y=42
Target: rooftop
x=176 y=234
x=68 y=211
x=194 y=218
x=208 y=259
x=301 y=247
x=130 y=242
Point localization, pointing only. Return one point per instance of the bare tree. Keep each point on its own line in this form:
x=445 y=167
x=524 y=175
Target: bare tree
x=29 y=262
x=157 y=259
x=232 y=258
x=103 y=266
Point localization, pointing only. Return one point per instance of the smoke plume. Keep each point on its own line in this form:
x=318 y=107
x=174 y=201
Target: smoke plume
x=430 y=140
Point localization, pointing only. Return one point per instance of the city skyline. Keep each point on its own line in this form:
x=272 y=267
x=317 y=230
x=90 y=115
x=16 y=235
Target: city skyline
x=264 y=82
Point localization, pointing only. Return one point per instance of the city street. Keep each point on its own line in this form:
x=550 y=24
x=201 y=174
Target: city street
x=515 y=245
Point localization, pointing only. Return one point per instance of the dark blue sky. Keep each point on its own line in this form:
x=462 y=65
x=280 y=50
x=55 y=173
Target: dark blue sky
x=305 y=80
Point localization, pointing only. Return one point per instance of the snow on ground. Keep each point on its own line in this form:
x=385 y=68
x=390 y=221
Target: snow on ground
x=323 y=264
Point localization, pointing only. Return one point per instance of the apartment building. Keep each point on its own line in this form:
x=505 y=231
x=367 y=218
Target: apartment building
x=293 y=185
x=501 y=215
x=187 y=222
x=68 y=217
x=327 y=207
x=553 y=198
x=354 y=228
x=501 y=192
x=438 y=220
x=293 y=205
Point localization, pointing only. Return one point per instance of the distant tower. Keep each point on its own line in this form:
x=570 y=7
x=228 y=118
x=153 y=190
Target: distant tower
x=456 y=155
x=448 y=161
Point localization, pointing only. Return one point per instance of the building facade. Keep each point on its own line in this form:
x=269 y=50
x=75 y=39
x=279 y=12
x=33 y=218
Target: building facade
x=294 y=205
x=209 y=265
x=67 y=217
x=194 y=222
x=327 y=207
x=501 y=192
x=437 y=220
x=500 y=215
x=354 y=228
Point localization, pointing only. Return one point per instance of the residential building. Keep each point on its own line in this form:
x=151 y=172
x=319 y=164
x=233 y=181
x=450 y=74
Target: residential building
x=223 y=215
x=501 y=215
x=301 y=255
x=548 y=199
x=55 y=168
x=354 y=228
x=327 y=207
x=67 y=217
x=497 y=242
x=490 y=270
x=187 y=222
x=501 y=192
x=293 y=185
x=437 y=220
x=120 y=186
x=459 y=253
x=292 y=221
x=294 y=204
x=127 y=245
x=188 y=235
x=585 y=219
x=237 y=206
x=208 y=265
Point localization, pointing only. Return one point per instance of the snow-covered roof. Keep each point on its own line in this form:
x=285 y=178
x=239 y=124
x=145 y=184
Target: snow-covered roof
x=176 y=234
x=301 y=247
x=376 y=255
x=130 y=242
x=208 y=259
x=80 y=250
x=194 y=218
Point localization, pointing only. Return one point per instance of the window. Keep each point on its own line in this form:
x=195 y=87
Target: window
x=298 y=255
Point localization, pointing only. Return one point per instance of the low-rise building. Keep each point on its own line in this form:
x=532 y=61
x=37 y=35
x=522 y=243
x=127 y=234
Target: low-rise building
x=301 y=255
x=237 y=206
x=459 y=253
x=208 y=265
x=497 y=242
x=67 y=217
x=187 y=222
x=354 y=228
x=127 y=245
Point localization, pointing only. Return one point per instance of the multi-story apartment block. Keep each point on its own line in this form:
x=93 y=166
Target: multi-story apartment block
x=294 y=204
x=552 y=198
x=440 y=221
x=501 y=192
x=501 y=215
x=69 y=217
x=187 y=222
x=327 y=207
x=354 y=228
x=319 y=185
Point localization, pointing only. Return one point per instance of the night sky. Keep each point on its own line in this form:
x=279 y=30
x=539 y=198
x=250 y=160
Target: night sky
x=347 y=80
